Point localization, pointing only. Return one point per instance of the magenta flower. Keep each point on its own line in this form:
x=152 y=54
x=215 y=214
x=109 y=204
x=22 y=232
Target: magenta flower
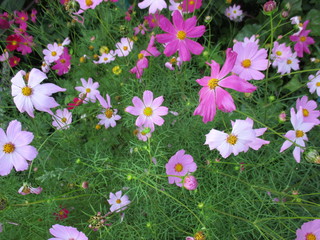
x=28 y=93
x=298 y=135
x=302 y=39
x=191 y=5
x=109 y=115
x=15 y=147
x=310 y=114
x=33 y=15
x=178 y=34
x=27 y=189
x=212 y=95
x=250 y=61
x=153 y=19
x=309 y=230
x=66 y=233
x=178 y=166
x=25 y=44
x=140 y=29
x=148 y=111
x=88 y=89
x=63 y=64
x=21 y=17
x=118 y=202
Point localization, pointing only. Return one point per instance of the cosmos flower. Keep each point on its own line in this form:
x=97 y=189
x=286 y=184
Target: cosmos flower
x=13 y=42
x=63 y=64
x=310 y=114
x=15 y=148
x=27 y=189
x=109 y=115
x=191 y=5
x=86 y=4
x=61 y=232
x=14 y=61
x=88 y=89
x=118 y=202
x=314 y=83
x=286 y=65
x=153 y=5
x=309 y=230
x=234 y=13
x=62 y=119
x=53 y=52
x=106 y=58
x=124 y=47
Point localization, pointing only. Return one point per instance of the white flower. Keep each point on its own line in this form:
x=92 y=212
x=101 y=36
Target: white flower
x=88 y=89
x=62 y=119
x=124 y=47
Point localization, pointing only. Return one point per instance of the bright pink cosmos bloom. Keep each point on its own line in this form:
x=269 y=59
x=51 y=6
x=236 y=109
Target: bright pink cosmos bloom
x=191 y=5
x=88 y=89
x=25 y=44
x=153 y=5
x=33 y=15
x=178 y=35
x=66 y=233
x=250 y=61
x=153 y=19
x=63 y=64
x=212 y=95
x=109 y=115
x=30 y=94
x=118 y=202
x=13 y=42
x=309 y=230
x=21 y=17
x=298 y=135
x=15 y=148
x=27 y=189
x=180 y=165
x=4 y=21
x=237 y=141
x=148 y=111
x=310 y=115
x=303 y=41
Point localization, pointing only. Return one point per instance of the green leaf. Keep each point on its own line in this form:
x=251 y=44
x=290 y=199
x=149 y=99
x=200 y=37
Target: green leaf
x=295 y=6
x=247 y=31
x=314 y=17
x=10 y=6
x=294 y=84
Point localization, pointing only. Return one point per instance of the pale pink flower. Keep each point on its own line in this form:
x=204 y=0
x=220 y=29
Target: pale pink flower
x=45 y=67
x=190 y=183
x=15 y=148
x=143 y=133
x=106 y=58
x=4 y=56
x=314 y=84
x=53 y=52
x=175 y=6
x=66 y=42
x=118 y=202
x=178 y=166
x=30 y=94
x=173 y=62
x=298 y=135
x=140 y=29
x=148 y=111
x=250 y=61
x=88 y=89
x=124 y=47
x=237 y=141
x=309 y=230
x=109 y=115
x=285 y=65
x=234 y=13
x=280 y=52
x=86 y=4
x=27 y=189
x=62 y=119
x=66 y=233
x=310 y=114
x=212 y=94
x=153 y=5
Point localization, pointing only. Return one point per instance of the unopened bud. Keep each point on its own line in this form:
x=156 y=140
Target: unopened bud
x=269 y=7
x=190 y=183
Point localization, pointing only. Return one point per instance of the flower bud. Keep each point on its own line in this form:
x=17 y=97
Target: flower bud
x=190 y=183
x=269 y=7
x=284 y=14
x=282 y=117
x=85 y=185
x=312 y=156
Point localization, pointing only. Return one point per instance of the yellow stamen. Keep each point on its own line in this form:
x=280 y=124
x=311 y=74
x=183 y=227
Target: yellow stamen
x=303 y=39
x=148 y=111
x=140 y=56
x=299 y=133
x=109 y=113
x=318 y=84
x=64 y=120
x=8 y=148
x=26 y=91
x=178 y=167
x=279 y=53
x=14 y=43
x=234 y=11
x=289 y=61
x=105 y=59
x=63 y=61
x=173 y=60
x=181 y=35
x=305 y=112
x=88 y=90
x=311 y=236
x=118 y=201
x=232 y=139
x=89 y=3
x=246 y=63
x=213 y=83
x=125 y=48
x=191 y=2
x=53 y=53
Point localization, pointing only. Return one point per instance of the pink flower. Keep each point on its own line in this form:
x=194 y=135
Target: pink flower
x=298 y=135
x=250 y=61
x=280 y=52
x=175 y=6
x=4 y=23
x=63 y=63
x=173 y=62
x=14 y=61
x=21 y=17
x=27 y=189
x=234 y=13
x=15 y=147
x=179 y=165
x=124 y=47
x=13 y=42
x=191 y=5
x=53 y=52
x=118 y=202
x=310 y=115
x=314 y=84
x=143 y=133
x=190 y=183
x=30 y=94
x=33 y=15
x=62 y=119
x=149 y=111
x=109 y=116
x=153 y=5
x=303 y=41
x=106 y=58
x=153 y=19
x=285 y=65
x=140 y=29
x=241 y=136
x=212 y=95
x=88 y=89
x=4 y=56
x=86 y=4
x=25 y=44
x=65 y=232
x=309 y=230
x=178 y=35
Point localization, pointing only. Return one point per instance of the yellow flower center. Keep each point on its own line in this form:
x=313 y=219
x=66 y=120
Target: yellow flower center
x=318 y=84
x=180 y=7
x=199 y=236
x=63 y=61
x=54 y=53
x=178 y=167
x=98 y=126
x=232 y=139
x=213 y=83
x=299 y=133
x=125 y=48
x=88 y=90
x=63 y=120
x=289 y=61
x=26 y=91
x=89 y=2
x=135 y=132
x=191 y=2
x=173 y=60
x=140 y=56
x=105 y=59
x=23 y=18
x=311 y=236
x=246 y=63
x=303 y=39
x=118 y=201
x=109 y=113
x=116 y=70
x=8 y=148
x=26 y=190
x=234 y=11
x=181 y=35
x=14 y=43
x=305 y=112
x=148 y=111
x=279 y=53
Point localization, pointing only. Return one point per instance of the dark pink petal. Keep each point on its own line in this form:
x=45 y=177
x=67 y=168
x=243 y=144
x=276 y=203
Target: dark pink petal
x=194 y=47
x=184 y=52
x=165 y=37
x=215 y=68
x=236 y=83
x=166 y=25
x=224 y=100
x=229 y=63
x=196 y=32
x=178 y=21
x=171 y=48
x=190 y=24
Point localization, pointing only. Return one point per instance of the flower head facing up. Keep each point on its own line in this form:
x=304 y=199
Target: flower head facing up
x=148 y=111
x=309 y=230
x=109 y=115
x=15 y=150
x=178 y=34
x=28 y=93
x=62 y=119
x=61 y=232
x=212 y=94
x=178 y=166
x=86 y=4
x=118 y=202
x=234 y=13
x=63 y=64
x=153 y=5
x=52 y=53
x=314 y=83
x=309 y=112
x=13 y=42
x=88 y=89
x=124 y=47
